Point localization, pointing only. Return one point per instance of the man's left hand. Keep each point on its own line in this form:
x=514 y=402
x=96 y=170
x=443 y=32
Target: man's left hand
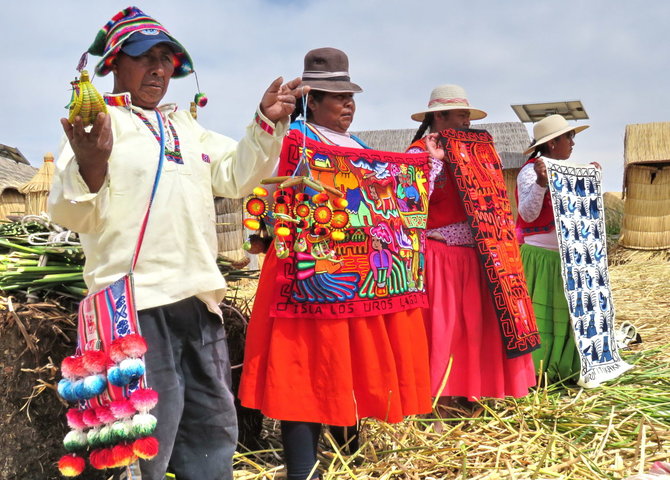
x=279 y=100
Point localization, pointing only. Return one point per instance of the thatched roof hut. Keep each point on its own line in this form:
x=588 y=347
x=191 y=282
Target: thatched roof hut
x=229 y=230
x=646 y=189
x=15 y=171
x=510 y=139
x=36 y=190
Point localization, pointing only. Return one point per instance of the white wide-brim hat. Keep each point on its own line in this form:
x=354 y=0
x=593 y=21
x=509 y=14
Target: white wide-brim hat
x=551 y=127
x=449 y=97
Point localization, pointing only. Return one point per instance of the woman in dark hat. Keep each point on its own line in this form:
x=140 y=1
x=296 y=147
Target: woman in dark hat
x=335 y=371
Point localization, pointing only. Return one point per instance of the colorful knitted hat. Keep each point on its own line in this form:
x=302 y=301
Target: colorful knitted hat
x=111 y=37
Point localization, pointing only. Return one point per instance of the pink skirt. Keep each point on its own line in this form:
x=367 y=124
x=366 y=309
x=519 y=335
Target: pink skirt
x=463 y=329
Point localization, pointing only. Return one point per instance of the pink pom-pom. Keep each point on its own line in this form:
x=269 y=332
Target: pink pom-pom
x=75 y=419
x=122 y=409
x=146 y=448
x=95 y=361
x=71 y=465
x=134 y=345
x=144 y=399
x=73 y=367
x=101 y=458
x=90 y=418
x=122 y=455
x=105 y=414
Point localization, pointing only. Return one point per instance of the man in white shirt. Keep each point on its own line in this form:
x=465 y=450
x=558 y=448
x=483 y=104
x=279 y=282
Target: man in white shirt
x=103 y=184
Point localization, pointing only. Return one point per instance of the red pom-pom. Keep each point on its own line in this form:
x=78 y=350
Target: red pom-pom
x=75 y=419
x=116 y=353
x=105 y=414
x=101 y=458
x=134 y=345
x=71 y=465
x=122 y=409
x=90 y=418
x=95 y=361
x=122 y=455
x=144 y=399
x=73 y=367
x=146 y=448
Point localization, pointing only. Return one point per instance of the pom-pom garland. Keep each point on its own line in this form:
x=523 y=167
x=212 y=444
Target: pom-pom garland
x=122 y=409
x=101 y=458
x=144 y=424
x=114 y=430
x=93 y=437
x=122 y=431
x=144 y=399
x=75 y=440
x=128 y=370
x=104 y=413
x=91 y=419
x=132 y=345
x=75 y=419
x=145 y=448
x=71 y=465
x=95 y=361
x=73 y=367
x=122 y=455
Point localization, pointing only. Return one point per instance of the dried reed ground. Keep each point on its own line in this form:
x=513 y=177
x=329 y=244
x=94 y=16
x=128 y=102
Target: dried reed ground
x=557 y=432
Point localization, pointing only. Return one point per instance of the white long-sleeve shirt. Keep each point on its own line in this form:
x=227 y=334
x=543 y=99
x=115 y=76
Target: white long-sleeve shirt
x=178 y=256
x=531 y=198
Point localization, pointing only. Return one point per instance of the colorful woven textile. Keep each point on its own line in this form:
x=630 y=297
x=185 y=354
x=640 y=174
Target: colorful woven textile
x=478 y=172
x=578 y=212
x=111 y=36
x=105 y=380
x=359 y=259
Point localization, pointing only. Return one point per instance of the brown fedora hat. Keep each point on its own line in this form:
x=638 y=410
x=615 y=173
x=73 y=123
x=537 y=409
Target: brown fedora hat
x=327 y=69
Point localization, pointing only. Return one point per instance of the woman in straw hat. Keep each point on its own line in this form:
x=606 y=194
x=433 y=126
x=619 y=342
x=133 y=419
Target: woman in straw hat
x=313 y=371
x=557 y=355
x=467 y=357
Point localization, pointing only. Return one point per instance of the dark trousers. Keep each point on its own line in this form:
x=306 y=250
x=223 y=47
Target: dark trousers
x=300 y=441
x=187 y=364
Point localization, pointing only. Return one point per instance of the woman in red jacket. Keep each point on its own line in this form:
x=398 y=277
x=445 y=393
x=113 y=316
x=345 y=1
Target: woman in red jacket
x=557 y=355
x=467 y=357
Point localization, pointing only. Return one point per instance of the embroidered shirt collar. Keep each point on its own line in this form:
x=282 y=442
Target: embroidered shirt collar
x=124 y=100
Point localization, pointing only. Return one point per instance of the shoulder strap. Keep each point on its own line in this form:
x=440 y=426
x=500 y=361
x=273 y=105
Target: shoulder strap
x=161 y=155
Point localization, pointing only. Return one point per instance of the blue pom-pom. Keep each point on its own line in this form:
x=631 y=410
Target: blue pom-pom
x=65 y=390
x=132 y=368
x=79 y=390
x=94 y=385
x=116 y=376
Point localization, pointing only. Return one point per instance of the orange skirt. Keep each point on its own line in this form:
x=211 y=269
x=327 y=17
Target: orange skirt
x=333 y=371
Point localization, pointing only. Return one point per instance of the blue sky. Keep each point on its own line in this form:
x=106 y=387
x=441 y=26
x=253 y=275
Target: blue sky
x=611 y=55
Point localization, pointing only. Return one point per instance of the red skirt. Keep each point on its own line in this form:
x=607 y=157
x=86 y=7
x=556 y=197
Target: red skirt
x=462 y=327
x=333 y=371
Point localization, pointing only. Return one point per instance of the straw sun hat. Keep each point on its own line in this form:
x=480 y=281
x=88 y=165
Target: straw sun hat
x=551 y=127
x=449 y=97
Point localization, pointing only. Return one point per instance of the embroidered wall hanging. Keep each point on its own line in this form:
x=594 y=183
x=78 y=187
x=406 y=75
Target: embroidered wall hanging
x=349 y=228
x=478 y=172
x=580 y=225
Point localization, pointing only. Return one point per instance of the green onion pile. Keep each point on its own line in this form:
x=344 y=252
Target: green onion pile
x=38 y=269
